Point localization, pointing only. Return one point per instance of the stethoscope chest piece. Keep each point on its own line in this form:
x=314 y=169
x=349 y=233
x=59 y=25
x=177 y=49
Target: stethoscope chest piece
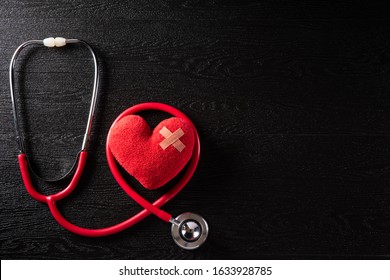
x=189 y=231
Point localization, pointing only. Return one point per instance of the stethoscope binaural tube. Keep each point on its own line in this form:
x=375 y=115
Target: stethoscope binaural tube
x=95 y=89
x=81 y=157
x=189 y=230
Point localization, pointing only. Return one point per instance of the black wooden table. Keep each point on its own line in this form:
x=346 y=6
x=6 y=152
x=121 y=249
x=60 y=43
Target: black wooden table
x=291 y=101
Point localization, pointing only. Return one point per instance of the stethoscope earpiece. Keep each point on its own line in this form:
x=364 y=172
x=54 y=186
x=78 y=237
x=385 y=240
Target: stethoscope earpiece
x=189 y=230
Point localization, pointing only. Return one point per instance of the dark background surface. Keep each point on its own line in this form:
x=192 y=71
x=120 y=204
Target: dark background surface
x=291 y=101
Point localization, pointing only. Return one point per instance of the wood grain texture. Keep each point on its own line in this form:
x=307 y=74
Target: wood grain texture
x=305 y=85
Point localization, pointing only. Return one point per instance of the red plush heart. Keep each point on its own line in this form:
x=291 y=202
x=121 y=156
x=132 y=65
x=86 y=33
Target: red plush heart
x=153 y=158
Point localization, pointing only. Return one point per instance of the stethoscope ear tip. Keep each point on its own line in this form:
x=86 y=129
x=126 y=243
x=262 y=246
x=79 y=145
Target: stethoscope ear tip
x=189 y=230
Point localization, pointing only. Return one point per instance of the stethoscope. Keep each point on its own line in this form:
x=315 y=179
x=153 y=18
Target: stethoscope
x=189 y=230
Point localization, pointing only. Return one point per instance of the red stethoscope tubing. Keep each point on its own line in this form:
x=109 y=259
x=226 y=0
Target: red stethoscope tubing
x=150 y=208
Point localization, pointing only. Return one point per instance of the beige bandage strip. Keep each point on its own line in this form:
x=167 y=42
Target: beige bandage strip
x=172 y=139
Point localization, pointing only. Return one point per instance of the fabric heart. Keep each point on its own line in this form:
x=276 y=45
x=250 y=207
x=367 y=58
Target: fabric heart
x=153 y=158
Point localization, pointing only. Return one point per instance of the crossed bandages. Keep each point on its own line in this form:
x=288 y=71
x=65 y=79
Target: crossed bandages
x=172 y=139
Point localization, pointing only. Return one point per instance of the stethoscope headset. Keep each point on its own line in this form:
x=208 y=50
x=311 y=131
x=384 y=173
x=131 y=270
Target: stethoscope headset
x=189 y=230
